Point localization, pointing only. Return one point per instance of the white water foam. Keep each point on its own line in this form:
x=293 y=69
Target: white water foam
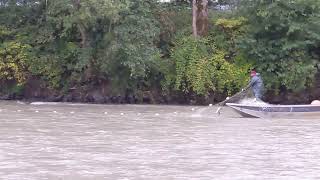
x=44 y=103
x=60 y=103
x=252 y=101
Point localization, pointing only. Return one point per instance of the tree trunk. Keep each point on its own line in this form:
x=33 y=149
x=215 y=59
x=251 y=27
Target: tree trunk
x=200 y=19
x=89 y=73
x=194 y=18
x=76 y=3
x=81 y=28
x=83 y=35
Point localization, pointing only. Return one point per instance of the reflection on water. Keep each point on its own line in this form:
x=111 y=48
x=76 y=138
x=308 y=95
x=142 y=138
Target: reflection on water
x=74 y=141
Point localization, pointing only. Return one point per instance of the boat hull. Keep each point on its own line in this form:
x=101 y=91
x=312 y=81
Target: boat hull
x=277 y=111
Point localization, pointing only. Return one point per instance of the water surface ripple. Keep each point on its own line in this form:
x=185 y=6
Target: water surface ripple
x=74 y=141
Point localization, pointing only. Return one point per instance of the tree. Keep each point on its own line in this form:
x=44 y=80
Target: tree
x=82 y=42
x=200 y=18
x=202 y=68
x=281 y=40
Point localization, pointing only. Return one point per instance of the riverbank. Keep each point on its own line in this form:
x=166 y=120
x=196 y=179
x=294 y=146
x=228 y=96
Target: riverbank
x=37 y=90
x=148 y=97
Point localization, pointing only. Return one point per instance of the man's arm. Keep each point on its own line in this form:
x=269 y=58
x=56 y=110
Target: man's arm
x=252 y=81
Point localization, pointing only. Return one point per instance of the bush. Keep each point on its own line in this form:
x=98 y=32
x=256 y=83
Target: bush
x=202 y=68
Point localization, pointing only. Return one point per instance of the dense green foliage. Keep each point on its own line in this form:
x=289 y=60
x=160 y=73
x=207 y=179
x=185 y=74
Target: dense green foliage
x=132 y=47
x=283 y=39
x=86 y=41
x=202 y=67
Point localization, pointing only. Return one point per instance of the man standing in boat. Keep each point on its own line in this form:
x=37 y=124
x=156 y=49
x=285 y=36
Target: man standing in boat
x=256 y=84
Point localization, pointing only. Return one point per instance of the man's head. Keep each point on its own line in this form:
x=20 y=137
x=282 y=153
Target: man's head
x=253 y=73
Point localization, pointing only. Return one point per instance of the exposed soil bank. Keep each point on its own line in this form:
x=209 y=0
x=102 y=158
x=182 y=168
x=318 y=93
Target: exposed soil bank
x=35 y=90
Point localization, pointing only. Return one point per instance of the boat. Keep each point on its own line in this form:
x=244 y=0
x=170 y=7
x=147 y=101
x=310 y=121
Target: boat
x=265 y=110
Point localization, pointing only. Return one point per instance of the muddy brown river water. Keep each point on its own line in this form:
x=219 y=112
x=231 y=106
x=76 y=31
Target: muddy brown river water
x=79 y=142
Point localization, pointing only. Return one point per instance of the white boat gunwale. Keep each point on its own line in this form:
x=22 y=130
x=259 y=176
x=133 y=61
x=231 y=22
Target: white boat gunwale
x=271 y=110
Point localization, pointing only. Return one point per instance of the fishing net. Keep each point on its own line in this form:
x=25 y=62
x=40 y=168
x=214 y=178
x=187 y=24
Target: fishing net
x=240 y=96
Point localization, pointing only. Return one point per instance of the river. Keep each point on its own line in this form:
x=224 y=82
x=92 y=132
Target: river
x=79 y=141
